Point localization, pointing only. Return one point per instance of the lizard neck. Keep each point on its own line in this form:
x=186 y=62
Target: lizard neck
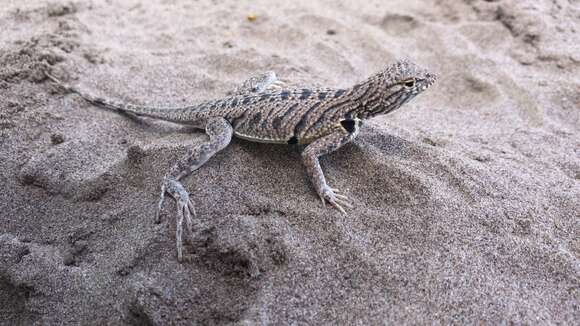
x=377 y=96
x=367 y=98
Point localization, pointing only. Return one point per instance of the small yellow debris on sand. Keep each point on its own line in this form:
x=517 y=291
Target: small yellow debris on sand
x=251 y=17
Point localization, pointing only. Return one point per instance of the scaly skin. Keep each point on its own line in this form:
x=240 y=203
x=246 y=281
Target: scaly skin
x=263 y=109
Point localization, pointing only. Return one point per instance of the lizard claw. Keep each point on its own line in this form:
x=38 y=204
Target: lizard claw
x=335 y=199
x=185 y=210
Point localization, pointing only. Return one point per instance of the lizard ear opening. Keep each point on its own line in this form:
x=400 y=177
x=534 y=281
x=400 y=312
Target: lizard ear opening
x=348 y=125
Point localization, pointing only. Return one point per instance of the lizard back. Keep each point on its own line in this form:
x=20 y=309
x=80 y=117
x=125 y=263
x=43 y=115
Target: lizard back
x=285 y=116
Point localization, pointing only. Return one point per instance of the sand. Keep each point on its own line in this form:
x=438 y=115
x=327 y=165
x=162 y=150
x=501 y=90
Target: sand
x=467 y=199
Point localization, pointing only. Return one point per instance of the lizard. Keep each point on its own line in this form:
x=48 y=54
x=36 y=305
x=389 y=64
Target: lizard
x=264 y=109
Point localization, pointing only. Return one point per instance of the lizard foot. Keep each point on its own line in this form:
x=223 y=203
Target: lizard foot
x=185 y=209
x=335 y=199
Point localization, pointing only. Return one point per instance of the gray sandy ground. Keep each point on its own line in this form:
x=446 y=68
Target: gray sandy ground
x=467 y=200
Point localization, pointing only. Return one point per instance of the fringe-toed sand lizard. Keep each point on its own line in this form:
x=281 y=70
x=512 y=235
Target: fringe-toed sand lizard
x=264 y=109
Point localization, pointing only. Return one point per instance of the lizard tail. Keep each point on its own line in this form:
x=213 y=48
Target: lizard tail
x=168 y=114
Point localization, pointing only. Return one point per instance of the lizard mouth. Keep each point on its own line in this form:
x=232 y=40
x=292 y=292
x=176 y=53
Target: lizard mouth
x=430 y=80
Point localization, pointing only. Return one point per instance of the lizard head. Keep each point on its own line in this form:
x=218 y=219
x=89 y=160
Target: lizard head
x=398 y=84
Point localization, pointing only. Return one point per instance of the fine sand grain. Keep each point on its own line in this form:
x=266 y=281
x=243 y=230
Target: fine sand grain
x=467 y=199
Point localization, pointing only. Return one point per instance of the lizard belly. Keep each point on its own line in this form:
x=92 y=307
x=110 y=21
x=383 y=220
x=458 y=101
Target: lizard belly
x=260 y=138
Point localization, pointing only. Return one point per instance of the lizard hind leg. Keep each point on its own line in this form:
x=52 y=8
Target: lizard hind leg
x=220 y=134
x=259 y=83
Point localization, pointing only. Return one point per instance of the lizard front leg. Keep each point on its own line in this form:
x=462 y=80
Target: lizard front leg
x=220 y=133
x=319 y=147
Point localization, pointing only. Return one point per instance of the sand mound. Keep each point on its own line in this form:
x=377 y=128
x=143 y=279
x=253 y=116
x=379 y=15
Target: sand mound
x=467 y=199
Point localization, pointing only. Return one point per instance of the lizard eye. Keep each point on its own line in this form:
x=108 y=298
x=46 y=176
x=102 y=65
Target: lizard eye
x=409 y=83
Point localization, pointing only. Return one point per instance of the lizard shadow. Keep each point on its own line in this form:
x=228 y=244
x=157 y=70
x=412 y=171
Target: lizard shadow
x=375 y=162
x=371 y=137
x=381 y=170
